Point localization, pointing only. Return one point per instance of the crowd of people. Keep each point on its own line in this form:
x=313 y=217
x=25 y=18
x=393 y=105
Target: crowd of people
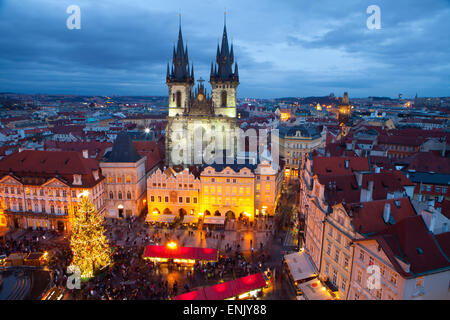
x=131 y=277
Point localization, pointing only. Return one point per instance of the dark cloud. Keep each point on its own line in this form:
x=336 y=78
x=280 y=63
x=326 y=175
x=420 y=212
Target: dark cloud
x=284 y=48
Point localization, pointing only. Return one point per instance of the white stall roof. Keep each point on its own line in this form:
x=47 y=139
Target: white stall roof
x=314 y=290
x=189 y=219
x=161 y=217
x=299 y=266
x=214 y=220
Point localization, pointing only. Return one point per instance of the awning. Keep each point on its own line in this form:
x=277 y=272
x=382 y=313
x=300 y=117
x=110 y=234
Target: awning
x=193 y=295
x=193 y=253
x=314 y=290
x=189 y=219
x=214 y=220
x=227 y=289
x=160 y=217
x=299 y=266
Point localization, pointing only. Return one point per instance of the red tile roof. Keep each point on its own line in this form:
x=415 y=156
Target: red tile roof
x=336 y=165
x=367 y=217
x=32 y=165
x=151 y=150
x=95 y=148
x=385 y=182
x=428 y=161
x=410 y=241
x=340 y=189
x=412 y=141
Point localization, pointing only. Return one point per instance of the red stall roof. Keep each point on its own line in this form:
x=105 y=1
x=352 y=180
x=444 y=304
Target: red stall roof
x=193 y=295
x=164 y=252
x=227 y=289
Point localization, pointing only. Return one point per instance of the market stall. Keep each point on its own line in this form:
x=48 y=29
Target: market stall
x=183 y=255
x=299 y=267
x=214 y=222
x=315 y=290
x=238 y=289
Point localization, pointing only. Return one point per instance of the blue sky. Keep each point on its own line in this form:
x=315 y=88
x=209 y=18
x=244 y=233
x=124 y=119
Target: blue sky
x=283 y=48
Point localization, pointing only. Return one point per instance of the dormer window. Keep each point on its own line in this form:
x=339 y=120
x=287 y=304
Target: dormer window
x=77 y=179
x=95 y=174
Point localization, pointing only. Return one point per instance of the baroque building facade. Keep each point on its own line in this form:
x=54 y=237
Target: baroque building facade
x=197 y=119
x=41 y=189
x=125 y=184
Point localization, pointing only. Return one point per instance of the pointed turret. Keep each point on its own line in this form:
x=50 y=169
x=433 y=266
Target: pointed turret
x=180 y=62
x=224 y=60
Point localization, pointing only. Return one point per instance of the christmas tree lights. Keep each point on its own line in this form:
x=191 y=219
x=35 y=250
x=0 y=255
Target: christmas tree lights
x=90 y=247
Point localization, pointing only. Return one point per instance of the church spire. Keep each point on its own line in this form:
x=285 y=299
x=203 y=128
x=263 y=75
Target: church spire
x=180 y=60
x=224 y=59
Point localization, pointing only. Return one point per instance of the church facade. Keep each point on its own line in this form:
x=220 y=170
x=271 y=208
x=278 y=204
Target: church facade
x=200 y=123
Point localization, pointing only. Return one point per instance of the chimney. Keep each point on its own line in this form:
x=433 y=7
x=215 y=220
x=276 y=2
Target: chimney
x=359 y=178
x=370 y=191
x=387 y=212
x=85 y=154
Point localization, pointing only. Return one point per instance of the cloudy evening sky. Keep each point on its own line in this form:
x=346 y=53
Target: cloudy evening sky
x=283 y=48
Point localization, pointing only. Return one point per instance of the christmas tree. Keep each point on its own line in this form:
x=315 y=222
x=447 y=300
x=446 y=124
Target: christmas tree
x=90 y=247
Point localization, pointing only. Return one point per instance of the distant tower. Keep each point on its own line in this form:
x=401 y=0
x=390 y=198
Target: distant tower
x=344 y=110
x=179 y=79
x=223 y=80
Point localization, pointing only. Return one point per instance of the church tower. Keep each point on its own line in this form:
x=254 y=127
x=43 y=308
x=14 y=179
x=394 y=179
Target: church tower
x=223 y=80
x=179 y=79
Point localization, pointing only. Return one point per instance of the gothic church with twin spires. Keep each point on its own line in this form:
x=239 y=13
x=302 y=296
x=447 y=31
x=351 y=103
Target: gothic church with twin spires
x=196 y=115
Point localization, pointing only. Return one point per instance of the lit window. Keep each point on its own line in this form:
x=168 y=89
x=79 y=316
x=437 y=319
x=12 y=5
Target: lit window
x=394 y=278
x=419 y=282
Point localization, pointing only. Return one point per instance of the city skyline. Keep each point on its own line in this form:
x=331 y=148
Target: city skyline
x=123 y=50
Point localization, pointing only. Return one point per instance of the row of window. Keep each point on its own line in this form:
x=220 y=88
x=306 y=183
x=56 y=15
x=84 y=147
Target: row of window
x=120 y=195
x=34 y=192
x=180 y=185
x=338 y=237
x=393 y=278
x=438 y=189
x=180 y=199
x=38 y=209
x=119 y=179
x=212 y=190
